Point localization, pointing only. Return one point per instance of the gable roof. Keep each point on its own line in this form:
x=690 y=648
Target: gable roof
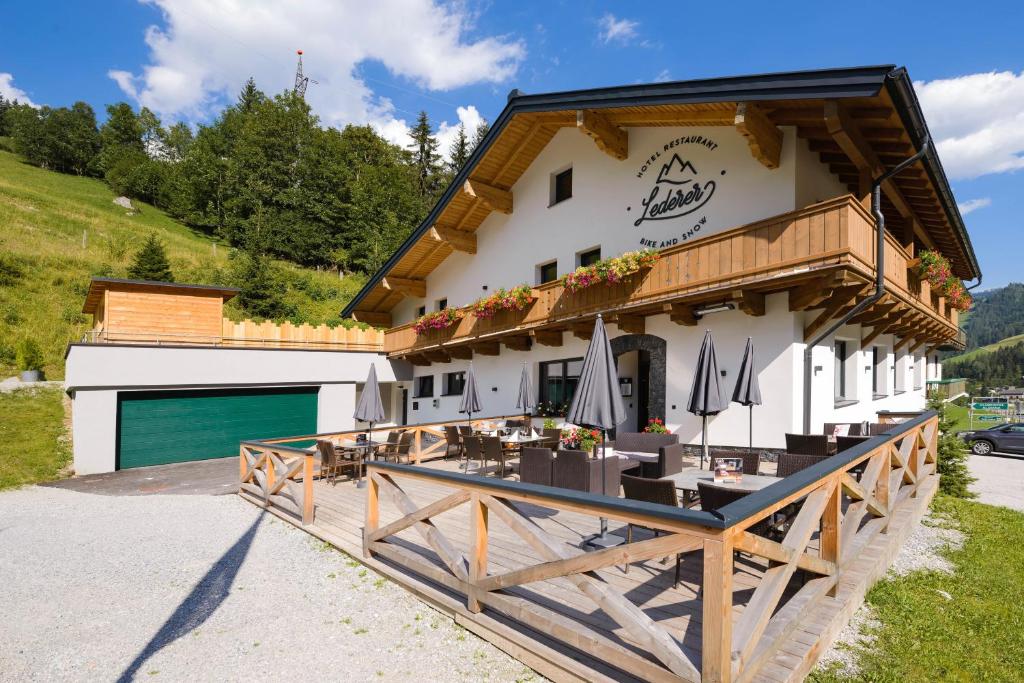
x=883 y=94
x=99 y=285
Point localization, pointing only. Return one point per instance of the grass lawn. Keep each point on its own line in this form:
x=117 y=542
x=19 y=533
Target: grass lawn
x=976 y=636
x=959 y=415
x=33 y=445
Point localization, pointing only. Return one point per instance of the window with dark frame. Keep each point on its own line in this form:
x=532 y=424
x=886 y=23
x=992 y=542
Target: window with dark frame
x=558 y=381
x=548 y=272
x=442 y=304
x=424 y=386
x=877 y=371
x=421 y=311
x=840 y=363
x=562 y=189
x=453 y=383
x=589 y=258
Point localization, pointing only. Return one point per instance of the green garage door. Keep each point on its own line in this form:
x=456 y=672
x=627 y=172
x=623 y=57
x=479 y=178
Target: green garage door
x=157 y=427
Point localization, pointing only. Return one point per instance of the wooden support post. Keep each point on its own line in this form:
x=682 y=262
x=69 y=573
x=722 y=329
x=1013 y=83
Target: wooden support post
x=830 y=522
x=716 y=654
x=609 y=138
x=372 y=509
x=495 y=198
x=456 y=239
x=418 y=444
x=243 y=465
x=270 y=479
x=478 y=553
x=405 y=285
x=307 y=489
x=763 y=136
x=375 y=318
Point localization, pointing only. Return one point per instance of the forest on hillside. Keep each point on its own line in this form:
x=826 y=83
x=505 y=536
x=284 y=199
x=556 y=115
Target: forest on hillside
x=995 y=315
x=265 y=175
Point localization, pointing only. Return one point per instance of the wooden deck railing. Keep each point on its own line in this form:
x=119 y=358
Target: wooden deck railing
x=832 y=504
x=836 y=232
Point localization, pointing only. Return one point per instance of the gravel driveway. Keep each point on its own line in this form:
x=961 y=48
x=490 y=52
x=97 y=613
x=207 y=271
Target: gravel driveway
x=168 y=587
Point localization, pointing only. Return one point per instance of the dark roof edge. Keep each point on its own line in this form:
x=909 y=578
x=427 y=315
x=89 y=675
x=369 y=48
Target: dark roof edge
x=901 y=89
x=863 y=81
x=157 y=283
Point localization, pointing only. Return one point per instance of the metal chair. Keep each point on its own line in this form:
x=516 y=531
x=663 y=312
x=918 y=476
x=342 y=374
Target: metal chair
x=751 y=459
x=790 y=463
x=807 y=444
x=661 y=491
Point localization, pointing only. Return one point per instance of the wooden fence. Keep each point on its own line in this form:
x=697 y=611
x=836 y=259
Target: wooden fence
x=287 y=335
x=843 y=503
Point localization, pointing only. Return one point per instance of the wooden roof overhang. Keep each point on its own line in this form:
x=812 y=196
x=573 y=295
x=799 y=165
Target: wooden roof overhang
x=99 y=285
x=859 y=121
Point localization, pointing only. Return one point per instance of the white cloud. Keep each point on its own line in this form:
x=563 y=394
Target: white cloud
x=206 y=49
x=616 y=30
x=973 y=205
x=397 y=130
x=977 y=121
x=663 y=76
x=9 y=91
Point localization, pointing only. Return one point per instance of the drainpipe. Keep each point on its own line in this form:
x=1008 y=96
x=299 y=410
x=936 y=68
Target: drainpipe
x=876 y=210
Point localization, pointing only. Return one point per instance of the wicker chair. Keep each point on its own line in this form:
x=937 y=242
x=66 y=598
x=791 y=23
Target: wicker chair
x=751 y=459
x=876 y=428
x=492 y=450
x=453 y=442
x=807 y=444
x=405 y=440
x=332 y=462
x=790 y=463
x=576 y=470
x=472 y=450
x=667 y=446
x=536 y=465
x=465 y=430
x=550 y=437
x=846 y=442
x=714 y=497
x=856 y=428
x=661 y=491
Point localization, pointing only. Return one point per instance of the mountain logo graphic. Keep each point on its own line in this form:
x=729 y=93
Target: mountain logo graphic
x=677 y=172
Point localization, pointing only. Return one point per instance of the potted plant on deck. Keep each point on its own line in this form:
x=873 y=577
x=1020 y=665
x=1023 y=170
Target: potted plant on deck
x=579 y=439
x=30 y=360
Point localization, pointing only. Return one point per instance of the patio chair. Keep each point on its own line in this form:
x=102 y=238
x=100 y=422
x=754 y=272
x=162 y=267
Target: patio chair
x=465 y=430
x=667 y=446
x=536 y=465
x=661 y=491
x=751 y=459
x=472 y=450
x=577 y=471
x=453 y=442
x=855 y=428
x=402 y=449
x=876 y=428
x=846 y=442
x=807 y=444
x=332 y=461
x=790 y=463
x=493 y=450
x=514 y=424
x=714 y=497
x=550 y=437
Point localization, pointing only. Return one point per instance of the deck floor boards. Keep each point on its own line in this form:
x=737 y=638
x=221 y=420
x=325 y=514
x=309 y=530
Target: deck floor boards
x=339 y=514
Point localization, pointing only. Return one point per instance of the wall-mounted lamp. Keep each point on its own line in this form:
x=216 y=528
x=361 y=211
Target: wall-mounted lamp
x=701 y=311
x=484 y=288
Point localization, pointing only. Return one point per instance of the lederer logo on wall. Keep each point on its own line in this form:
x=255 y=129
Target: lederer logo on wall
x=683 y=187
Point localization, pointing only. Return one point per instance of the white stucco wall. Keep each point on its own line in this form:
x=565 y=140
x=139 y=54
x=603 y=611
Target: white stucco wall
x=94 y=431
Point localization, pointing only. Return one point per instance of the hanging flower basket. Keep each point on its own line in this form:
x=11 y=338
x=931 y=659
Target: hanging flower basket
x=936 y=269
x=610 y=270
x=437 y=320
x=515 y=299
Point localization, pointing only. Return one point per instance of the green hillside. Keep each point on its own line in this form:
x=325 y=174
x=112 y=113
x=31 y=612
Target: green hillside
x=45 y=269
x=988 y=348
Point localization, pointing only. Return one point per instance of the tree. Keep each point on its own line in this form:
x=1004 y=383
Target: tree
x=260 y=294
x=459 y=151
x=152 y=133
x=176 y=142
x=425 y=157
x=151 y=262
x=479 y=134
x=250 y=97
x=5 y=106
x=120 y=137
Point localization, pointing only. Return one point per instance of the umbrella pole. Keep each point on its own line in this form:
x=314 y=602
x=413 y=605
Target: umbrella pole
x=751 y=408
x=604 y=539
x=704 y=442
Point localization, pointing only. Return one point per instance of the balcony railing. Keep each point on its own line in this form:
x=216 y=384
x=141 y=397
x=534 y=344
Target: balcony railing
x=772 y=255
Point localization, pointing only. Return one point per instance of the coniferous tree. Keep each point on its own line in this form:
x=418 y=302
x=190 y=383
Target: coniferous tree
x=260 y=294
x=5 y=106
x=151 y=262
x=479 y=134
x=250 y=97
x=425 y=157
x=460 y=150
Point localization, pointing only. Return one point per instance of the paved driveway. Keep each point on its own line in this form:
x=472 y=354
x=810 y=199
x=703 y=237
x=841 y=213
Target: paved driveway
x=202 y=587
x=1000 y=479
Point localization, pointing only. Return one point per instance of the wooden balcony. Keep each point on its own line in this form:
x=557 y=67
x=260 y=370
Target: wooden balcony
x=823 y=255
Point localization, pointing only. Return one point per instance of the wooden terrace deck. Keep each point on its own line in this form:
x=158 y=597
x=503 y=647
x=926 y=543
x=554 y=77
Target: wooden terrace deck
x=606 y=624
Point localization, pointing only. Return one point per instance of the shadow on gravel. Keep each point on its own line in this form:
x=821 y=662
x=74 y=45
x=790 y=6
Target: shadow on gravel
x=200 y=604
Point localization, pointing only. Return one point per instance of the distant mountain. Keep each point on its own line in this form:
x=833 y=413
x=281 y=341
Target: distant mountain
x=996 y=315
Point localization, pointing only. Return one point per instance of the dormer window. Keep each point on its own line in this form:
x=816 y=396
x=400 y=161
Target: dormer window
x=561 y=186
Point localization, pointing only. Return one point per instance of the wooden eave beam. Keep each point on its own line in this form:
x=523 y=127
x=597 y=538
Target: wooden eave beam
x=418 y=359
x=548 y=337
x=751 y=303
x=839 y=298
x=460 y=352
x=608 y=137
x=456 y=239
x=518 y=342
x=811 y=294
x=633 y=324
x=438 y=356
x=495 y=198
x=405 y=286
x=487 y=348
x=682 y=314
x=583 y=330
x=763 y=136
x=375 y=318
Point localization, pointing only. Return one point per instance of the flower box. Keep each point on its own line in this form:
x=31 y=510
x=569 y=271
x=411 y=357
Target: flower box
x=514 y=299
x=610 y=270
x=437 y=320
x=937 y=271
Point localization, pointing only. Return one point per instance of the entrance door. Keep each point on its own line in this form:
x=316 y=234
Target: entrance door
x=405 y=406
x=643 y=389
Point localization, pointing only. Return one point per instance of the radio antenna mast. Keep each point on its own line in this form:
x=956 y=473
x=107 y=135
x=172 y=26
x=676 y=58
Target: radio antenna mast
x=301 y=81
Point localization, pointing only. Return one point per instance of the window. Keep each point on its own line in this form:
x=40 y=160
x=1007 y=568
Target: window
x=878 y=359
x=561 y=186
x=841 y=363
x=919 y=372
x=589 y=257
x=547 y=272
x=899 y=374
x=424 y=387
x=442 y=304
x=453 y=383
x=558 y=380
x=421 y=311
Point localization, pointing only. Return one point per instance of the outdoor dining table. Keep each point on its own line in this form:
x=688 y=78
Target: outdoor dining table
x=367 y=445
x=688 y=478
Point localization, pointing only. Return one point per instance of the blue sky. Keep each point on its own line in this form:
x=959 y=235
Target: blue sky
x=380 y=62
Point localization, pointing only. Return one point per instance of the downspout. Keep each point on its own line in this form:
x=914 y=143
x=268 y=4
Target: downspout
x=876 y=210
